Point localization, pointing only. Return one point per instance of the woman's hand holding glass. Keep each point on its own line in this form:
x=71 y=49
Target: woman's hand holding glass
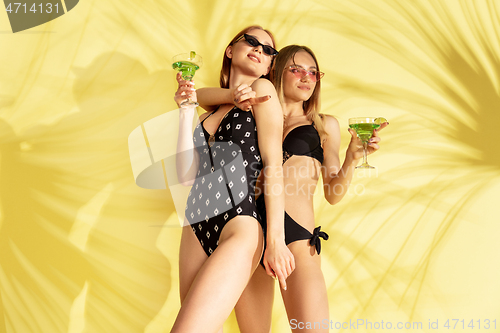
x=185 y=91
x=187 y=64
x=355 y=148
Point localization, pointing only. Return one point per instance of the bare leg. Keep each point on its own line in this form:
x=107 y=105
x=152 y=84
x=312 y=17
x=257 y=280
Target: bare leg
x=222 y=278
x=254 y=308
x=191 y=259
x=306 y=299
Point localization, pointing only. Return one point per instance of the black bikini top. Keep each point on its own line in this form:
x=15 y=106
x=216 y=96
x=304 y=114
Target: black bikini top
x=303 y=140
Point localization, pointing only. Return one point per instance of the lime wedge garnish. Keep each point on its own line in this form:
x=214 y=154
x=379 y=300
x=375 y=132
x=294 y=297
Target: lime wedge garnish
x=381 y=120
x=192 y=55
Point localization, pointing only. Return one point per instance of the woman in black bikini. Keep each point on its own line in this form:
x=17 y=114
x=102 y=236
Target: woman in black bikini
x=310 y=148
x=222 y=241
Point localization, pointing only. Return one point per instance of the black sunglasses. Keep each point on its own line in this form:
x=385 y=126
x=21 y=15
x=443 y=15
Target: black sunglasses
x=255 y=42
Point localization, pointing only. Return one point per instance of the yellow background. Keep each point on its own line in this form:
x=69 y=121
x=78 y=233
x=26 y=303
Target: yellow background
x=83 y=249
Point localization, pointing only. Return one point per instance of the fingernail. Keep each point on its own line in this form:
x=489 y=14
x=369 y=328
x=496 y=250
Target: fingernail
x=269 y=96
x=284 y=288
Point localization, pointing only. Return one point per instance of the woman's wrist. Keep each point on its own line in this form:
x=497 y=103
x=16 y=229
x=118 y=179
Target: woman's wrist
x=230 y=96
x=186 y=113
x=276 y=236
x=350 y=160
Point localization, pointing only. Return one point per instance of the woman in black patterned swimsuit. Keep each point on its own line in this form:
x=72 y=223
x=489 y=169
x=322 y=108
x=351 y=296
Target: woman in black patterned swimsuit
x=225 y=182
x=222 y=242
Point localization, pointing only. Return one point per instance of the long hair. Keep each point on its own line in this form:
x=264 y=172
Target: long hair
x=312 y=105
x=226 y=62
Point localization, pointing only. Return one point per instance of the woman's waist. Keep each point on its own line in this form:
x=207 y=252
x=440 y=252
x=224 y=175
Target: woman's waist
x=303 y=167
x=299 y=208
x=302 y=195
x=300 y=181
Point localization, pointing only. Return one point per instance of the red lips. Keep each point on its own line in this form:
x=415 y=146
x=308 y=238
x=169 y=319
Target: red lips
x=253 y=56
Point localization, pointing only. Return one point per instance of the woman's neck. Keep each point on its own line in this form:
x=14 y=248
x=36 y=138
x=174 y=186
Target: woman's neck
x=293 y=109
x=238 y=78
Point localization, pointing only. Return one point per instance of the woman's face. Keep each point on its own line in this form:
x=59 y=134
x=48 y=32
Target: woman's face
x=297 y=83
x=251 y=59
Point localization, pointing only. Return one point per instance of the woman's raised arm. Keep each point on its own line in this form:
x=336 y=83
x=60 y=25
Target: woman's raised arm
x=243 y=97
x=186 y=156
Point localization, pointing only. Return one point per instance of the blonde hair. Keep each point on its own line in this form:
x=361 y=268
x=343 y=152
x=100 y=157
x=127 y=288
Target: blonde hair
x=225 y=72
x=312 y=105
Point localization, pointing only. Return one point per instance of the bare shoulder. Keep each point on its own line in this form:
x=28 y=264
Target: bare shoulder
x=263 y=86
x=331 y=124
x=270 y=110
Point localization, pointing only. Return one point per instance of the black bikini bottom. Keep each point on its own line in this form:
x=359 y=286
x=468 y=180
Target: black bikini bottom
x=293 y=231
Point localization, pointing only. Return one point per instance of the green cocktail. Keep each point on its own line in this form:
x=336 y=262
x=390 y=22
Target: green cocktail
x=187 y=64
x=364 y=129
x=187 y=69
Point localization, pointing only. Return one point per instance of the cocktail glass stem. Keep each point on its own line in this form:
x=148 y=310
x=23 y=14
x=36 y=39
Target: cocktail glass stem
x=365 y=164
x=365 y=152
x=188 y=102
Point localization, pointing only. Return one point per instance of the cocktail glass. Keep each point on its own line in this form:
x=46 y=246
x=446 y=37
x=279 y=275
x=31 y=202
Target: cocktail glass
x=364 y=127
x=187 y=64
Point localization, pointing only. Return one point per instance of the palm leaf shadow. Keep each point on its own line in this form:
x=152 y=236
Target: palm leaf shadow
x=48 y=173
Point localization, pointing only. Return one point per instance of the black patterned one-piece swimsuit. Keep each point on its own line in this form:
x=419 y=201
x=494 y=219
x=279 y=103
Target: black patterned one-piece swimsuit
x=229 y=166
